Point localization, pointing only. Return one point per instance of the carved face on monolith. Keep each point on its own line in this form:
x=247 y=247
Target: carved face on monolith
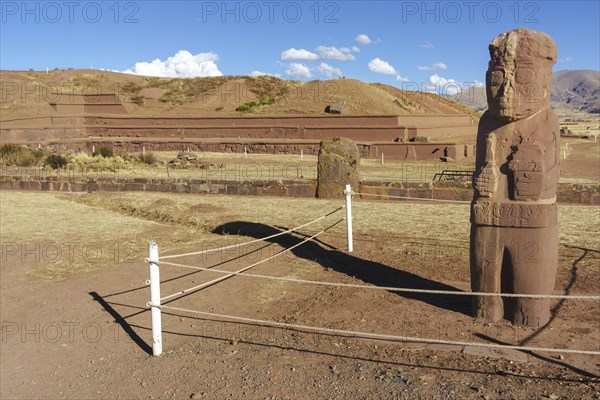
x=519 y=74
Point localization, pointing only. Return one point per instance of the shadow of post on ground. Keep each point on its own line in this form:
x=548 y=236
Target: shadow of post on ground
x=370 y=272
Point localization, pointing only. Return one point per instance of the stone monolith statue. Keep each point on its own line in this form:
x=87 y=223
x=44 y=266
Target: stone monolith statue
x=514 y=243
x=339 y=159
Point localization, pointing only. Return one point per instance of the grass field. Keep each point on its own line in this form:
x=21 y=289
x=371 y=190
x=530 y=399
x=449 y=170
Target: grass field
x=94 y=229
x=588 y=128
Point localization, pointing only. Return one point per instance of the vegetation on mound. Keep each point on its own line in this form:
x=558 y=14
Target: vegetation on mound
x=225 y=93
x=182 y=91
x=132 y=90
x=249 y=106
x=85 y=83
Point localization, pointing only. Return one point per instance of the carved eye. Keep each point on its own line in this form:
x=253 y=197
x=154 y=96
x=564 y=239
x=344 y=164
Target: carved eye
x=524 y=75
x=496 y=78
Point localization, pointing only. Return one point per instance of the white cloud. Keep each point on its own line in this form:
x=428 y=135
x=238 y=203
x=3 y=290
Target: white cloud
x=353 y=49
x=433 y=67
x=298 y=70
x=332 y=53
x=566 y=59
x=260 y=73
x=182 y=65
x=365 y=40
x=381 y=67
x=321 y=53
x=329 y=71
x=441 y=85
x=300 y=54
x=402 y=78
x=428 y=45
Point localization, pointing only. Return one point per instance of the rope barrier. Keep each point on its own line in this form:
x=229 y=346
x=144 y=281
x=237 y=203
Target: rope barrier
x=394 y=289
x=155 y=302
x=231 y=273
x=439 y=200
x=382 y=336
x=370 y=207
x=252 y=241
x=411 y=198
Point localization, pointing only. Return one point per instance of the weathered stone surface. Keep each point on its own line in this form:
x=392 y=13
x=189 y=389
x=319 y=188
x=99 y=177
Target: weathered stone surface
x=514 y=242
x=339 y=159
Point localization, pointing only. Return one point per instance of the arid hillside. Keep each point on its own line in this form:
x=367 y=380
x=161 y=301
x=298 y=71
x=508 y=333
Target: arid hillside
x=575 y=93
x=31 y=94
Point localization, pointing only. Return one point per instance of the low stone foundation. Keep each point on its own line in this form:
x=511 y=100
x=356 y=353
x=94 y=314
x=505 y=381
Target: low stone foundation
x=567 y=193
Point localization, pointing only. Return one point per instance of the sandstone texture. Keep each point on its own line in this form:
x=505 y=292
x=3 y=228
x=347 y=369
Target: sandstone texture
x=514 y=242
x=339 y=159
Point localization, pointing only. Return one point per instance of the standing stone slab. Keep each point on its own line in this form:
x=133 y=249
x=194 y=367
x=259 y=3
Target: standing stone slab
x=339 y=159
x=514 y=242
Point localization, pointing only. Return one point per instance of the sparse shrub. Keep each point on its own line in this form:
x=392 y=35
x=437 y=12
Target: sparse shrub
x=246 y=106
x=10 y=148
x=105 y=152
x=147 y=158
x=55 y=161
x=137 y=99
x=13 y=154
x=29 y=158
x=124 y=154
x=266 y=100
x=131 y=88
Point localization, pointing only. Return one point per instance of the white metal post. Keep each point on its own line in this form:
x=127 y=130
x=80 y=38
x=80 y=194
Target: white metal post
x=301 y=154
x=245 y=152
x=348 y=193
x=382 y=160
x=155 y=299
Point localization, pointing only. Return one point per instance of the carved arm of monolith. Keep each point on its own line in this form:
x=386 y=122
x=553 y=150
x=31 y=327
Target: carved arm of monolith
x=486 y=177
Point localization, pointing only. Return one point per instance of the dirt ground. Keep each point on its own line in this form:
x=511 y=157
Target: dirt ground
x=582 y=162
x=74 y=323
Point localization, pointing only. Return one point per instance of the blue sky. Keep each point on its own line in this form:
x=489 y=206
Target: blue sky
x=410 y=41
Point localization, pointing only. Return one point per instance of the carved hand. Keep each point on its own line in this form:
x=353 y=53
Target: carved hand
x=486 y=179
x=527 y=168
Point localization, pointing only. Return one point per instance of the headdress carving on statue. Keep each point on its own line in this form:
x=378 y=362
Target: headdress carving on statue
x=520 y=73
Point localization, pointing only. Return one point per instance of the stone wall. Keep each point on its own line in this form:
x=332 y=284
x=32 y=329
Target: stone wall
x=567 y=193
x=377 y=128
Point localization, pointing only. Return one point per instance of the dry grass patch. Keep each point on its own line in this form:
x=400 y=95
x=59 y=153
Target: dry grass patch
x=66 y=238
x=185 y=222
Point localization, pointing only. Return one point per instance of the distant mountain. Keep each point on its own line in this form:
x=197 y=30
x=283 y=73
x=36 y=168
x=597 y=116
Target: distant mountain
x=573 y=92
x=474 y=97
x=579 y=89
